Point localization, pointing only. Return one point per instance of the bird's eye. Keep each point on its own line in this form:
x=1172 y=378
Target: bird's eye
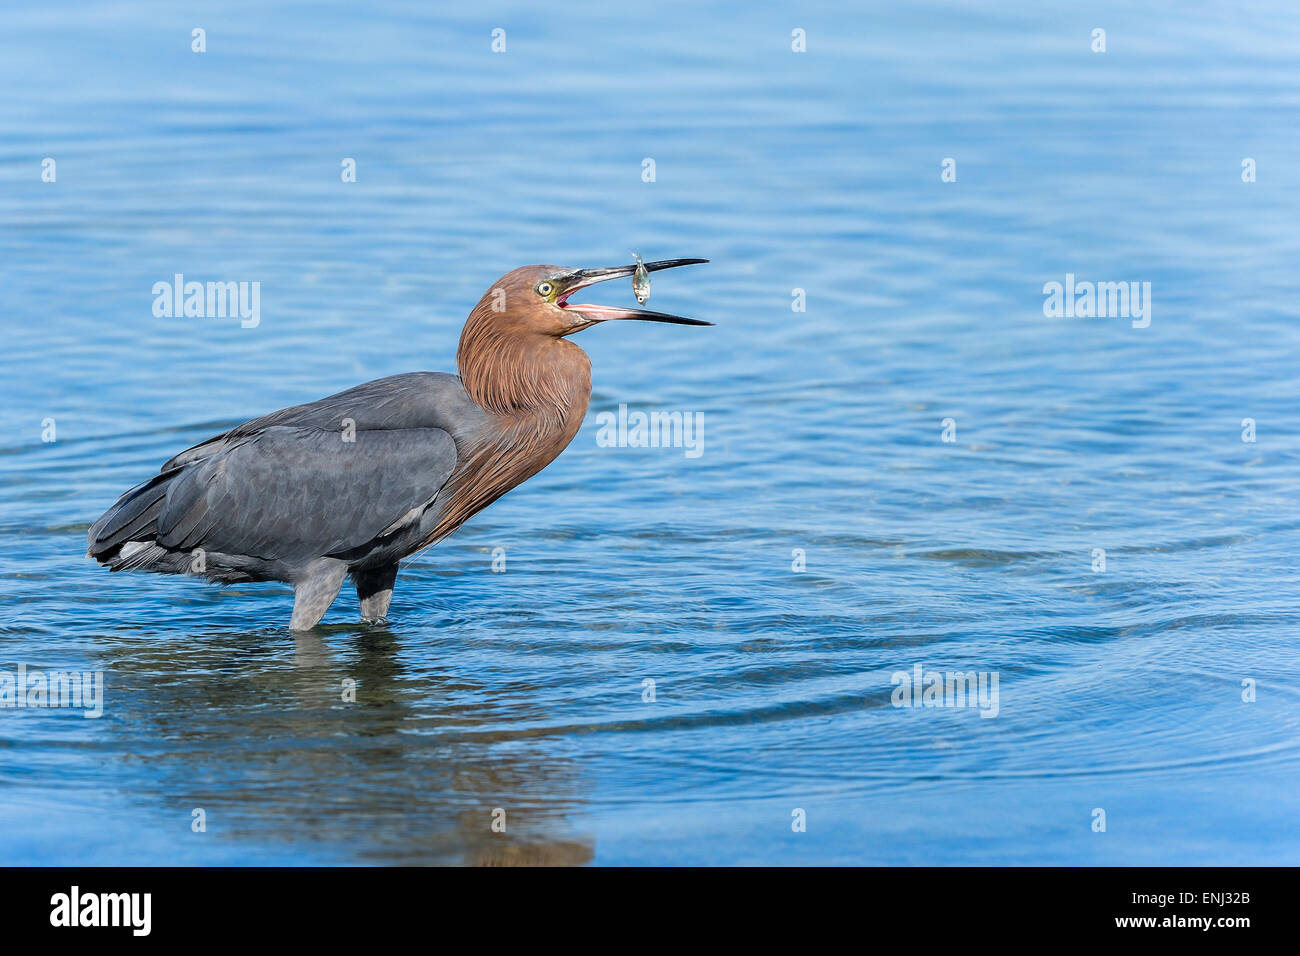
x=544 y=288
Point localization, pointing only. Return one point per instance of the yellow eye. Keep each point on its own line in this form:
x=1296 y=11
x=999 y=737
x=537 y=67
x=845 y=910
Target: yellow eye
x=544 y=288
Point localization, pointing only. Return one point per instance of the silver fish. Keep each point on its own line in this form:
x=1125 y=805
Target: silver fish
x=640 y=281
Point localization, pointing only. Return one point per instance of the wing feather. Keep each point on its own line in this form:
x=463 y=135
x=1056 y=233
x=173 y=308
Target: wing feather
x=292 y=493
x=289 y=486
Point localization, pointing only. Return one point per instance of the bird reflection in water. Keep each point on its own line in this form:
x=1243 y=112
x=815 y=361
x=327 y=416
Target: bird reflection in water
x=264 y=741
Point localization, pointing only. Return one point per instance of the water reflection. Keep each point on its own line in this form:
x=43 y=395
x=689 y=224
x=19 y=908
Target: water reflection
x=260 y=733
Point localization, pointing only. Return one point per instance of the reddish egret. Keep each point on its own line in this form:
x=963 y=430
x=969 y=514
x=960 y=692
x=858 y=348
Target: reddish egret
x=353 y=483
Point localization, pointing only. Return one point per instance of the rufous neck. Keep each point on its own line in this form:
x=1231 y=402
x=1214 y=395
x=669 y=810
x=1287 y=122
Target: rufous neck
x=515 y=372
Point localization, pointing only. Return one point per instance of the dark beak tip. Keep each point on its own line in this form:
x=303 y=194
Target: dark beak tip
x=682 y=320
x=672 y=264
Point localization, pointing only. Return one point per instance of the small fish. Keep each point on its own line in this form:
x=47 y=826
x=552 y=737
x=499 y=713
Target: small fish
x=640 y=281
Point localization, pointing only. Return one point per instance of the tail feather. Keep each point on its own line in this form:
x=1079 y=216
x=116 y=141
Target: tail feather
x=133 y=518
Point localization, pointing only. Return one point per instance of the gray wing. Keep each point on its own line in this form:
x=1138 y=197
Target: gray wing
x=287 y=486
x=293 y=493
x=409 y=400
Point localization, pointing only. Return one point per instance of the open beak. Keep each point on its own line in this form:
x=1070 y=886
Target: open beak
x=588 y=315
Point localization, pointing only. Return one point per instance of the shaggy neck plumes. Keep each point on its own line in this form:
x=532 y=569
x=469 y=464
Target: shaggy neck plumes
x=536 y=386
x=512 y=370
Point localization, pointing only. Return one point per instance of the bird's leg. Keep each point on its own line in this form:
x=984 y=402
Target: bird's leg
x=314 y=591
x=375 y=590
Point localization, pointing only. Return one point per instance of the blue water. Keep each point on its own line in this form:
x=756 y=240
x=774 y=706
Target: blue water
x=1119 y=690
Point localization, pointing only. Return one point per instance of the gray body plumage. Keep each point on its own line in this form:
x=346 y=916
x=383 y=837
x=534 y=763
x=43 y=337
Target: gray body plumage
x=308 y=494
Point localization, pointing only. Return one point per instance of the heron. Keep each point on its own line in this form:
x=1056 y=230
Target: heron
x=354 y=483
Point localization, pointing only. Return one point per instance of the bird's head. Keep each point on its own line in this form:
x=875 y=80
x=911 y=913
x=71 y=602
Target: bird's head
x=513 y=355
x=536 y=299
